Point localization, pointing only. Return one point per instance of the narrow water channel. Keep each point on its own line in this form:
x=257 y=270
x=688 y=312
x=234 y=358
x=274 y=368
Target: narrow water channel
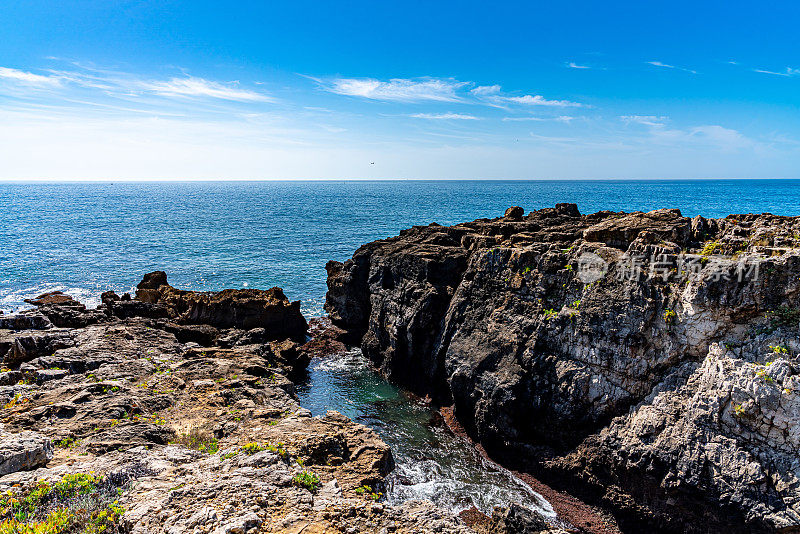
x=432 y=462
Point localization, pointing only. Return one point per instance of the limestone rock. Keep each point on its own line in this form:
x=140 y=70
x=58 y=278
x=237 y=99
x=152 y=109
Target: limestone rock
x=23 y=451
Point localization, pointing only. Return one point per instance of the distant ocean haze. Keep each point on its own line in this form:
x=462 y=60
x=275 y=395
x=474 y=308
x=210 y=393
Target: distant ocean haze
x=86 y=238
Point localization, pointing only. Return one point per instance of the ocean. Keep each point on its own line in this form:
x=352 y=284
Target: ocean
x=85 y=238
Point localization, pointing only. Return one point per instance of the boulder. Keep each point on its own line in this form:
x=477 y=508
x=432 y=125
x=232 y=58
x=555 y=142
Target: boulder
x=514 y=213
x=23 y=451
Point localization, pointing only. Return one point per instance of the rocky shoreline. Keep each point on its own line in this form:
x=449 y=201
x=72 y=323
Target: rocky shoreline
x=644 y=362
x=174 y=411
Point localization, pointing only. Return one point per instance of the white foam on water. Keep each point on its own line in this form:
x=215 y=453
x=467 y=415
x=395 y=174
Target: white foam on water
x=14 y=299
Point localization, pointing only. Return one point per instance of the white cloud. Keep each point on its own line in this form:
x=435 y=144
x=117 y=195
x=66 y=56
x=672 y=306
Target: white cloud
x=666 y=66
x=398 y=89
x=536 y=100
x=199 y=87
x=445 y=116
x=788 y=72
x=721 y=137
x=562 y=118
x=483 y=90
x=574 y=65
x=647 y=120
x=28 y=78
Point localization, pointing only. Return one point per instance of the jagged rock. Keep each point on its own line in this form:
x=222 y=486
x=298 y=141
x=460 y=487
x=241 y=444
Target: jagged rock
x=231 y=308
x=19 y=347
x=514 y=519
x=25 y=320
x=64 y=311
x=125 y=309
x=514 y=212
x=544 y=358
x=23 y=451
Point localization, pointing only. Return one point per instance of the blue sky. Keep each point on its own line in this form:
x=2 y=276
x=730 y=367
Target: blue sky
x=263 y=90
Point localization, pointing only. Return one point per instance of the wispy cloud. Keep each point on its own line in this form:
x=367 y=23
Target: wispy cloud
x=445 y=116
x=666 y=66
x=562 y=118
x=710 y=135
x=536 y=100
x=398 y=89
x=788 y=72
x=199 y=87
x=483 y=90
x=433 y=89
x=574 y=65
x=647 y=120
x=28 y=78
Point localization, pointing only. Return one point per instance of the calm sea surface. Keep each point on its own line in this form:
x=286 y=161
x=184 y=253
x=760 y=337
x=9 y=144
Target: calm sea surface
x=85 y=238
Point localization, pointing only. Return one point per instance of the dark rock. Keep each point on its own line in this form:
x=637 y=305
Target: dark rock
x=53 y=297
x=153 y=280
x=26 y=345
x=606 y=381
x=514 y=519
x=45 y=375
x=109 y=297
x=230 y=308
x=202 y=334
x=25 y=320
x=65 y=312
x=514 y=213
x=125 y=309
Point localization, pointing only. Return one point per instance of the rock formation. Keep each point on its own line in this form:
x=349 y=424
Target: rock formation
x=174 y=412
x=644 y=361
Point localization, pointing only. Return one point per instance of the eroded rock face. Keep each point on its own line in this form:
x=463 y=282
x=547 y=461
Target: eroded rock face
x=584 y=345
x=230 y=308
x=23 y=451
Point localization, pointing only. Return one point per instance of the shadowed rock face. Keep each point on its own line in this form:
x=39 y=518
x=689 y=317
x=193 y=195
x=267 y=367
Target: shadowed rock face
x=624 y=354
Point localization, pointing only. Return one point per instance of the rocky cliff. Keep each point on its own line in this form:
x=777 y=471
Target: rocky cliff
x=644 y=361
x=174 y=412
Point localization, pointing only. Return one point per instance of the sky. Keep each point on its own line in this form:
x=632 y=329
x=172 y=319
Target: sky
x=185 y=90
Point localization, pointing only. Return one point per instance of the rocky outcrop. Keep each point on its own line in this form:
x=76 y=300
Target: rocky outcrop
x=23 y=451
x=624 y=356
x=144 y=422
x=231 y=308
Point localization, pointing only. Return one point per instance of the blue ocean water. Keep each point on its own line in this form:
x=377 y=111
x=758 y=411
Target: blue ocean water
x=85 y=238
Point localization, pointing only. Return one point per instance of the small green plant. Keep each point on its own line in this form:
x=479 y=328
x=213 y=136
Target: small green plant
x=778 y=349
x=526 y=270
x=366 y=492
x=781 y=316
x=576 y=304
x=308 y=480
x=67 y=443
x=199 y=440
x=252 y=448
x=762 y=373
x=710 y=248
x=670 y=316
x=550 y=314
x=738 y=410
